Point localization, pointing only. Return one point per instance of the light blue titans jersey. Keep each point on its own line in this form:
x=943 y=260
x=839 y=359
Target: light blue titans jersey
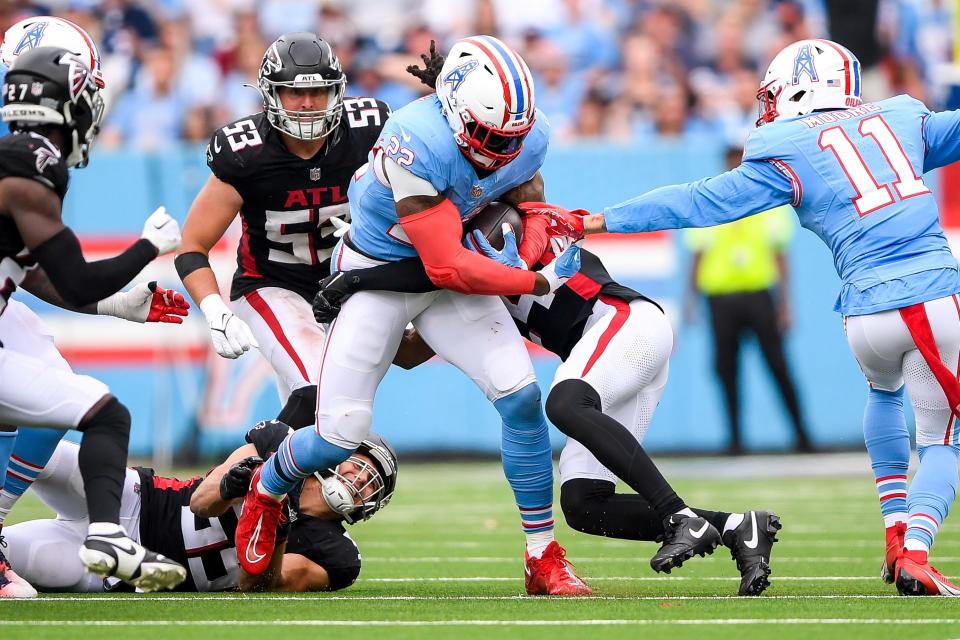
x=4 y=129
x=854 y=177
x=419 y=139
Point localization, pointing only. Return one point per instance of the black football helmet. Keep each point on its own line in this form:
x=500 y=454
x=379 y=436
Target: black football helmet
x=49 y=86
x=302 y=60
x=342 y=494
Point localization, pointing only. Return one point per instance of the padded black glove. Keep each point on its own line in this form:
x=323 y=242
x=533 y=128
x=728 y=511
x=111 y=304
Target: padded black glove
x=334 y=291
x=236 y=481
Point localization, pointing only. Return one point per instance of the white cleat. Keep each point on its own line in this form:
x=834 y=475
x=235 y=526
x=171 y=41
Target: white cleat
x=117 y=555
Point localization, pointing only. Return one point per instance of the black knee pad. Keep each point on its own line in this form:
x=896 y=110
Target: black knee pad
x=301 y=408
x=567 y=400
x=581 y=499
x=112 y=415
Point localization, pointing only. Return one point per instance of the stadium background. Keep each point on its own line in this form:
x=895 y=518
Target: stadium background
x=639 y=93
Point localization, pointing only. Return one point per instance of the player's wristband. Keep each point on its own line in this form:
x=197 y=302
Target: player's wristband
x=187 y=263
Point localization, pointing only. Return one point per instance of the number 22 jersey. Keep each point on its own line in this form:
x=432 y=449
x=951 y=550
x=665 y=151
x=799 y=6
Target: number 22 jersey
x=854 y=177
x=288 y=201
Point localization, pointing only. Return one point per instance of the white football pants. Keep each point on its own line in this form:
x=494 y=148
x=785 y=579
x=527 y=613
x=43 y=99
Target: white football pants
x=474 y=333
x=624 y=355
x=889 y=358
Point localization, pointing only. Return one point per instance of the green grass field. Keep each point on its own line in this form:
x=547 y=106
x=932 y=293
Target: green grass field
x=444 y=561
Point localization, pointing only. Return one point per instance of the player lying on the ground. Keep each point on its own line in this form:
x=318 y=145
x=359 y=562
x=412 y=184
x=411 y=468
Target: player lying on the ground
x=53 y=106
x=615 y=345
x=853 y=173
x=438 y=161
x=193 y=521
x=286 y=171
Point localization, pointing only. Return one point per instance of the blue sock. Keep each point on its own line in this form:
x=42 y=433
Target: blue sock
x=932 y=491
x=527 y=462
x=7 y=440
x=888 y=443
x=299 y=455
x=28 y=458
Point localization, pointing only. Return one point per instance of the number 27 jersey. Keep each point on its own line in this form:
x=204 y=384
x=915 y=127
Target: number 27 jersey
x=288 y=201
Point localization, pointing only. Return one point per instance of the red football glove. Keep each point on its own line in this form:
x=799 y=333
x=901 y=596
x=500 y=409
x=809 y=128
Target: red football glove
x=146 y=302
x=564 y=223
x=166 y=305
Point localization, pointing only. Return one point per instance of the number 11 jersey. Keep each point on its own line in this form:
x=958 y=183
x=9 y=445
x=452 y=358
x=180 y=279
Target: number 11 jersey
x=855 y=178
x=287 y=237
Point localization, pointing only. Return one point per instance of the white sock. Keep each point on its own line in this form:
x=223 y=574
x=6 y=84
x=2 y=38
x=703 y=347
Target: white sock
x=686 y=511
x=733 y=521
x=104 y=529
x=538 y=542
x=260 y=489
x=916 y=545
x=894 y=518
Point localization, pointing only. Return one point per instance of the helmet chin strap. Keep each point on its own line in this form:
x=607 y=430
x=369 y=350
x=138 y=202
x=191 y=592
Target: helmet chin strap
x=337 y=496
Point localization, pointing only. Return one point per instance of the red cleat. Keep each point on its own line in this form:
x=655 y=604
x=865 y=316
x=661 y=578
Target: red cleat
x=552 y=574
x=256 y=534
x=915 y=577
x=895 y=535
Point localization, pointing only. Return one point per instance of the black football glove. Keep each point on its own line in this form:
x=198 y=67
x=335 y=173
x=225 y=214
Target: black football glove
x=334 y=291
x=236 y=481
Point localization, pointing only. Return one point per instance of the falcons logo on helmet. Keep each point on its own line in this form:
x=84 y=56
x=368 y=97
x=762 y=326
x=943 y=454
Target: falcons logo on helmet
x=78 y=74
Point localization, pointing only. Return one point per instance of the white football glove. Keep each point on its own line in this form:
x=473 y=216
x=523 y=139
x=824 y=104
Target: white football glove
x=340 y=226
x=231 y=336
x=161 y=231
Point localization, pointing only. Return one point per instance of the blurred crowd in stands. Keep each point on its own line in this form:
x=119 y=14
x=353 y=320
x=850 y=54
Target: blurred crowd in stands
x=622 y=71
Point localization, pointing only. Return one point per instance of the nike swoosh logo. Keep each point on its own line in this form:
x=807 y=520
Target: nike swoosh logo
x=753 y=541
x=254 y=557
x=130 y=551
x=161 y=226
x=699 y=532
x=216 y=145
x=404 y=134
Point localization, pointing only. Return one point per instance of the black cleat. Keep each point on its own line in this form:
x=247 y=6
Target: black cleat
x=750 y=544
x=683 y=538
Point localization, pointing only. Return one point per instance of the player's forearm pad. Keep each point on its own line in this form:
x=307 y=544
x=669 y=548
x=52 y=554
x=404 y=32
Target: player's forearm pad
x=187 y=263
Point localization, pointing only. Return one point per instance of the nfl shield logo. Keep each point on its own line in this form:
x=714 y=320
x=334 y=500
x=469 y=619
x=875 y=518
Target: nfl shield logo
x=36 y=88
x=315 y=174
x=477 y=191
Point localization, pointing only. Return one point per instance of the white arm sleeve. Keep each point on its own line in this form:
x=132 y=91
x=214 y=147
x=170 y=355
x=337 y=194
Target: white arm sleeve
x=404 y=183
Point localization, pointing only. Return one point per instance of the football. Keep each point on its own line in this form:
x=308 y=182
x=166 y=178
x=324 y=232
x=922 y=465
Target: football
x=490 y=222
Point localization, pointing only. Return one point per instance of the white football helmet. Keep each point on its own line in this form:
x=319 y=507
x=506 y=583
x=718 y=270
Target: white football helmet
x=48 y=31
x=486 y=91
x=806 y=76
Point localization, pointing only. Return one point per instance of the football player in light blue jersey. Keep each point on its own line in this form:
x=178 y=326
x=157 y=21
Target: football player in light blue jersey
x=438 y=161
x=37 y=444
x=853 y=172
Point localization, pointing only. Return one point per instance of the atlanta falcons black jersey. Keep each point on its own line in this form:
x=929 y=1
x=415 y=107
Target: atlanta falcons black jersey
x=557 y=322
x=31 y=156
x=288 y=201
x=205 y=546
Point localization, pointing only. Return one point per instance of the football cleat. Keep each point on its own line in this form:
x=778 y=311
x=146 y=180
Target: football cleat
x=683 y=537
x=750 y=544
x=12 y=585
x=256 y=534
x=118 y=556
x=552 y=574
x=915 y=577
x=895 y=535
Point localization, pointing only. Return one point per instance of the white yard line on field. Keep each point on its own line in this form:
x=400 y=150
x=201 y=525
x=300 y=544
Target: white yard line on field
x=475 y=623
x=240 y=597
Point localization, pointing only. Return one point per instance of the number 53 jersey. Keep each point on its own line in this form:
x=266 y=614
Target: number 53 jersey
x=287 y=236
x=855 y=178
